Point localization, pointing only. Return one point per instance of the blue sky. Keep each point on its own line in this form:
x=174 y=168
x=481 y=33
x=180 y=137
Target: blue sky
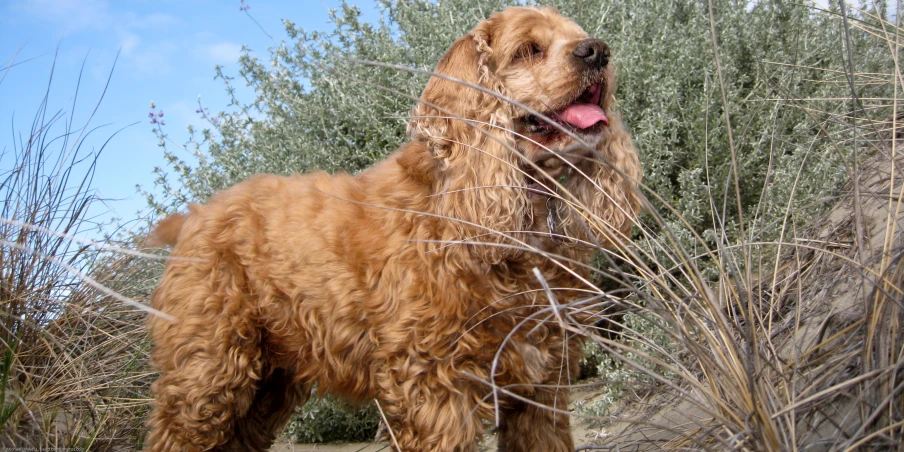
x=169 y=49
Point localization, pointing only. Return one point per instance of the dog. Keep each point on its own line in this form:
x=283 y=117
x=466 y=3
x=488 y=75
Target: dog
x=418 y=283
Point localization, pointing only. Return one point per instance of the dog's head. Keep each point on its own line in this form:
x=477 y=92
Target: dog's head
x=548 y=64
x=520 y=111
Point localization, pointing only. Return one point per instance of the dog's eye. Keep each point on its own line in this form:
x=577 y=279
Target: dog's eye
x=528 y=51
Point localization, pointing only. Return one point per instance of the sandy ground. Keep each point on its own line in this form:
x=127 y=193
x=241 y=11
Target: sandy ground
x=348 y=447
x=582 y=435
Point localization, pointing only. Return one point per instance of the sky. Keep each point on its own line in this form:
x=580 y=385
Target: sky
x=168 y=50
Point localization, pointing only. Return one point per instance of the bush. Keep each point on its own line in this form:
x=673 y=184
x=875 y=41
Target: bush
x=318 y=107
x=327 y=419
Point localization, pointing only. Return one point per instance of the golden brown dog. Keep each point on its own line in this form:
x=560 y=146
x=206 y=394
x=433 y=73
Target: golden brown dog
x=412 y=283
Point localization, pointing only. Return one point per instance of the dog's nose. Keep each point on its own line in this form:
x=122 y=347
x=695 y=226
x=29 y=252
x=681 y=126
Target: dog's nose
x=592 y=52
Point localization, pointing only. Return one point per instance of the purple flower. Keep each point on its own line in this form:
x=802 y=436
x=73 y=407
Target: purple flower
x=151 y=115
x=160 y=114
x=153 y=120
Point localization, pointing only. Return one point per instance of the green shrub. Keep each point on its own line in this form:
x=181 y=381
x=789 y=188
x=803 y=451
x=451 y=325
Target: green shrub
x=318 y=108
x=328 y=419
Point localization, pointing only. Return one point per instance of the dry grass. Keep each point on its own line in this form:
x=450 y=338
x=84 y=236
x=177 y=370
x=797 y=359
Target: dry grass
x=74 y=363
x=798 y=349
x=797 y=343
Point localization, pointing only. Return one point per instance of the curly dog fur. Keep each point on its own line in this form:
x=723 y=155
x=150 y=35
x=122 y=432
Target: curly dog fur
x=411 y=283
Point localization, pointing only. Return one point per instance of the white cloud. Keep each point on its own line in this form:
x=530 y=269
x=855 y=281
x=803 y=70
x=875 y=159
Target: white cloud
x=220 y=53
x=154 y=21
x=144 y=40
x=69 y=15
x=182 y=114
x=128 y=42
x=158 y=20
x=79 y=15
x=156 y=58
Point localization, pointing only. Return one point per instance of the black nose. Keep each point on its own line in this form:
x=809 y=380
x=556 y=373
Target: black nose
x=592 y=52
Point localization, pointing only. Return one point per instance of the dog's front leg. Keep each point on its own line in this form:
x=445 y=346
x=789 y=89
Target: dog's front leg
x=541 y=424
x=538 y=419
x=427 y=414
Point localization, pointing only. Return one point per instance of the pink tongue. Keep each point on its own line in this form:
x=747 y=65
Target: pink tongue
x=583 y=116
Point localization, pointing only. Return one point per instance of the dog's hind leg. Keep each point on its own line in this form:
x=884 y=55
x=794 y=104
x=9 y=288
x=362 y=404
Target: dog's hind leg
x=196 y=405
x=274 y=403
x=210 y=357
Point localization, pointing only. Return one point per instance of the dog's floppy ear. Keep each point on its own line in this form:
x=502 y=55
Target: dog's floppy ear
x=452 y=97
x=469 y=132
x=608 y=190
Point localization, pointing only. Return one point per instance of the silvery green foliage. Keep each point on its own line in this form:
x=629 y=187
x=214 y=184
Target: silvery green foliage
x=775 y=55
x=614 y=377
x=318 y=108
x=327 y=420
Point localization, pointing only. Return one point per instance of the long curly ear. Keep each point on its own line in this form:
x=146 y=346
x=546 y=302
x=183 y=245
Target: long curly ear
x=608 y=190
x=479 y=188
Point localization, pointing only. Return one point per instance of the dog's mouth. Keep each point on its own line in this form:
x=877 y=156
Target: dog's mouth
x=584 y=116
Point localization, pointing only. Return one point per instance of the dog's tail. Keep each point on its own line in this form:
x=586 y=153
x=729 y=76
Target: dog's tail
x=166 y=233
